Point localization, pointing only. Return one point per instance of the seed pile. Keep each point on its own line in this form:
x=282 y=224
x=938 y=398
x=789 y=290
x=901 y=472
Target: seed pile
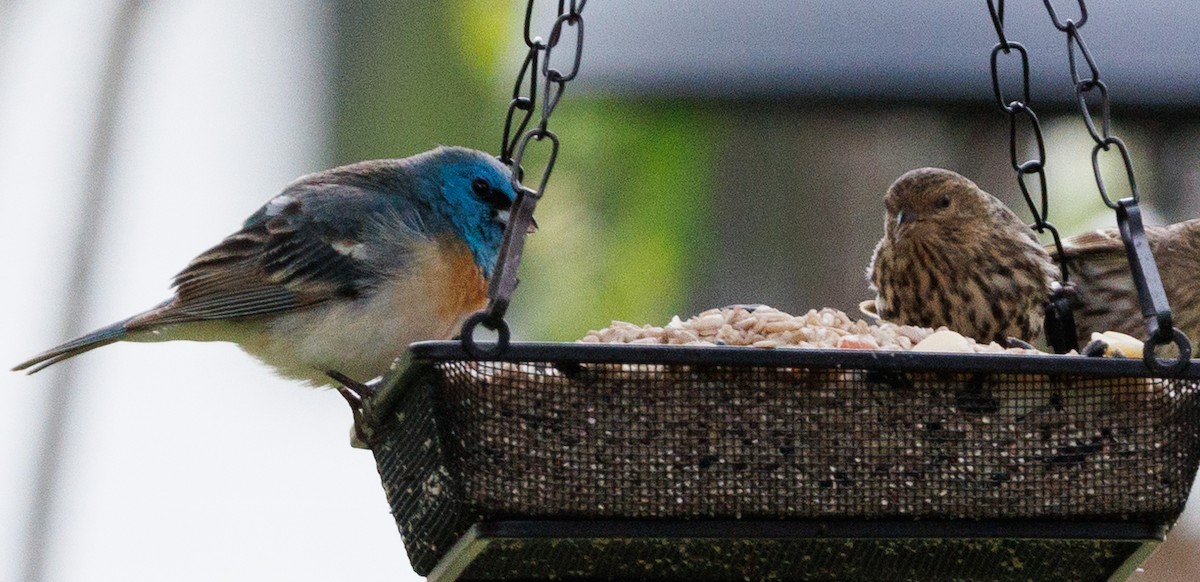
x=766 y=327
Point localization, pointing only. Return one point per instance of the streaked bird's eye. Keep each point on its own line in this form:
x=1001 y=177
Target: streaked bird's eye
x=943 y=202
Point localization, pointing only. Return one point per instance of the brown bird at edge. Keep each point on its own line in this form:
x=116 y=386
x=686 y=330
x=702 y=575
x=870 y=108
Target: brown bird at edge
x=953 y=255
x=1105 y=297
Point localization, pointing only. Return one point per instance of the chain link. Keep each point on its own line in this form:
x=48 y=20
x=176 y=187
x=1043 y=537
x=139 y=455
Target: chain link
x=1031 y=173
x=1151 y=295
x=1085 y=79
x=1022 y=108
x=516 y=138
x=1059 y=321
x=1063 y=25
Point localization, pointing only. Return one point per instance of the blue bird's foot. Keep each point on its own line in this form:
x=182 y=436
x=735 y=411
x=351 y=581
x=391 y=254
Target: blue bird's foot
x=355 y=393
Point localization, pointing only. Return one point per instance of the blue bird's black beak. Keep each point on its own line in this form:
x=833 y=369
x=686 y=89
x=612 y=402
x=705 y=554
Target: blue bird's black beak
x=504 y=216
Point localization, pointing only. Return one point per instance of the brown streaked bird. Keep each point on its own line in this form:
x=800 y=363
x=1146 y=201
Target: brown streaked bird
x=1106 y=297
x=953 y=255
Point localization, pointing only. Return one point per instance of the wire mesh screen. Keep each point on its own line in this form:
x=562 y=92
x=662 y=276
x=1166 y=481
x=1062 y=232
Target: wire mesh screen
x=658 y=441
x=572 y=438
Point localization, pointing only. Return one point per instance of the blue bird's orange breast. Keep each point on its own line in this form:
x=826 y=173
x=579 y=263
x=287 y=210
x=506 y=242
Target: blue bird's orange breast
x=426 y=300
x=463 y=287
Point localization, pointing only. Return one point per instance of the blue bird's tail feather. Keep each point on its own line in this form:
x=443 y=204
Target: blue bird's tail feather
x=101 y=337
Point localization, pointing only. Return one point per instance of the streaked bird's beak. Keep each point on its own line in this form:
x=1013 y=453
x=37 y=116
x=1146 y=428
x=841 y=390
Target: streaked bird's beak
x=902 y=218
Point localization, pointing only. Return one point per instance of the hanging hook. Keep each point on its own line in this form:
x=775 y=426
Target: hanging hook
x=1160 y=329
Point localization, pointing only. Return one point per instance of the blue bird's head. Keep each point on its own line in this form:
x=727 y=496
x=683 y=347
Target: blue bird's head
x=475 y=196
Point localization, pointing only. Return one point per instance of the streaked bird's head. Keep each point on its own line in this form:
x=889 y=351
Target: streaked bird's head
x=932 y=202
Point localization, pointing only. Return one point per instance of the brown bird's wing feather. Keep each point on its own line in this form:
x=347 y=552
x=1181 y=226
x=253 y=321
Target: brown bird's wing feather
x=1091 y=243
x=1182 y=236
x=1107 y=297
x=1177 y=250
x=1095 y=256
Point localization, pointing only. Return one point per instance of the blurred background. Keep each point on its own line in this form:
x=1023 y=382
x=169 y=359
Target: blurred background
x=713 y=153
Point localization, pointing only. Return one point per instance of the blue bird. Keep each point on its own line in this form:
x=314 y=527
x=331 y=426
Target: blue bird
x=337 y=274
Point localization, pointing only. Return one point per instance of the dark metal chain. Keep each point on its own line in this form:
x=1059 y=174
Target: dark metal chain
x=1151 y=295
x=516 y=138
x=1020 y=109
x=1085 y=77
x=1059 y=322
x=1084 y=83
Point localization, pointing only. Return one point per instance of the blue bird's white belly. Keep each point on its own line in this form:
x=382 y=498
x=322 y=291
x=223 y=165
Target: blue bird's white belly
x=361 y=337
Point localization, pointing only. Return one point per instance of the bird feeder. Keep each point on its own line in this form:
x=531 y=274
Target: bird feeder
x=585 y=461
x=597 y=461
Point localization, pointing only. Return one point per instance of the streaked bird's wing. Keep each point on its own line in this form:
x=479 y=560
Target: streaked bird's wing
x=1105 y=296
x=1090 y=244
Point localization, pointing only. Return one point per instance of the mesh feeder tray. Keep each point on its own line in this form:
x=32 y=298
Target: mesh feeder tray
x=712 y=463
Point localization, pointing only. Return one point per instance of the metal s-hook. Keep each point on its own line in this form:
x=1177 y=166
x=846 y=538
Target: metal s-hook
x=1160 y=329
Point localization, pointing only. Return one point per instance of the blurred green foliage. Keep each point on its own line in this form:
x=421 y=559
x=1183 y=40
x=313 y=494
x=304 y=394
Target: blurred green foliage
x=407 y=77
x=625 y=219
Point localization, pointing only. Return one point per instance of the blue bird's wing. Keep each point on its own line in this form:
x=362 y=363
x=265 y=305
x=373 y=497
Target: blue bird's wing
x=301 y=249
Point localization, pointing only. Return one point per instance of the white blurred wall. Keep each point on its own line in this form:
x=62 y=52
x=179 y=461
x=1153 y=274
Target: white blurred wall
x=182 y=461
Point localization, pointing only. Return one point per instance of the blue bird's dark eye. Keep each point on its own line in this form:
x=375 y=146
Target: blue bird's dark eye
x=480 y=187
x=492 y=196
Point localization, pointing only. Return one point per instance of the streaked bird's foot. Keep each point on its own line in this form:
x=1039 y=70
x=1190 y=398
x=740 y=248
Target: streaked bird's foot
x=1095 y=349
x=355 y=394
x=869 y=309
x=1016 y=342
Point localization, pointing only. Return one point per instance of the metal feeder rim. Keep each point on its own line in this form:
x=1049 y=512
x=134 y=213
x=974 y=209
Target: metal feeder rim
x=595 y=353
x=421 y=355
